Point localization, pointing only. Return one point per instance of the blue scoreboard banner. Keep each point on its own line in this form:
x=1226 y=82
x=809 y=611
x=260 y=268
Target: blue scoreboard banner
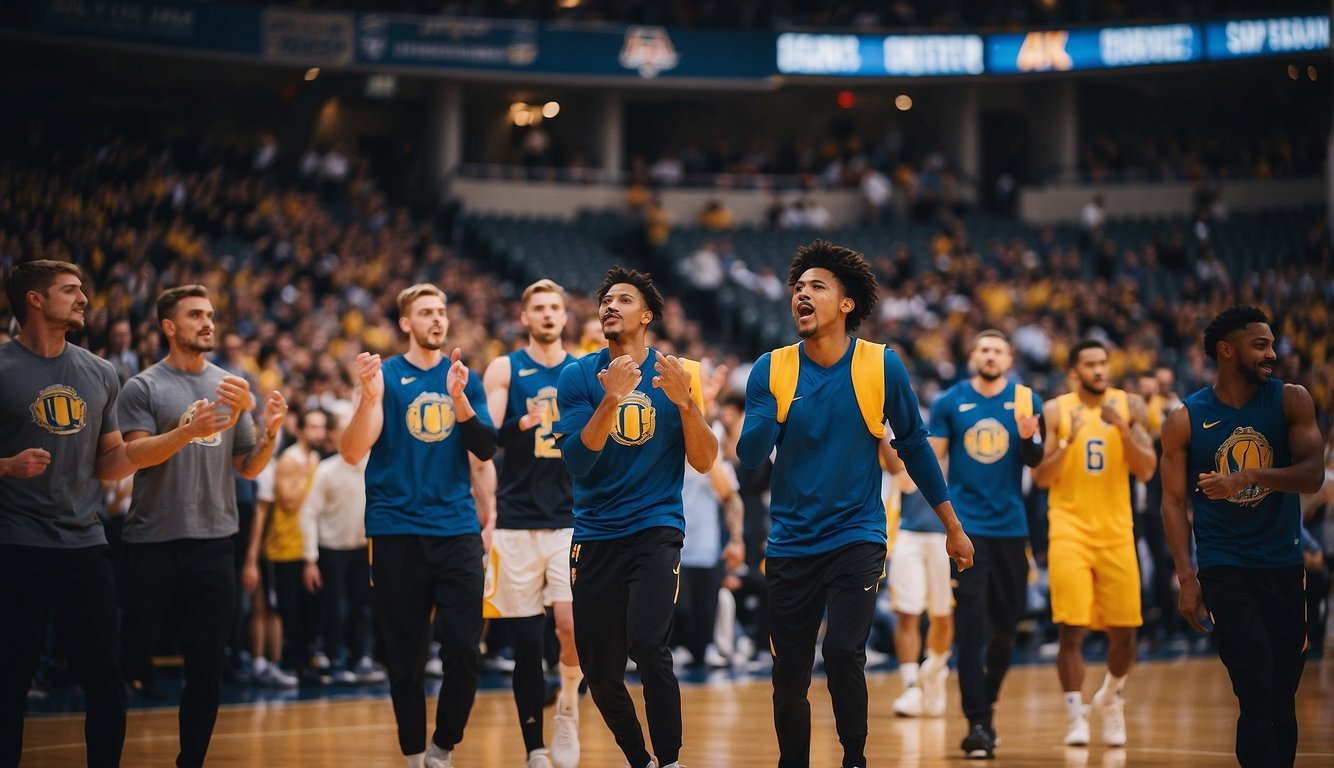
x=1072 y=50
x=1245 y=38
x=879 y=55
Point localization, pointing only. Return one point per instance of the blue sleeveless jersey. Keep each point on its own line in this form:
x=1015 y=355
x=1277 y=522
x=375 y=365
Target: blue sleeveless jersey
x=534 y=490
x=1257 y=527
x=985 y=469
x=417 y=479
x=634 y=483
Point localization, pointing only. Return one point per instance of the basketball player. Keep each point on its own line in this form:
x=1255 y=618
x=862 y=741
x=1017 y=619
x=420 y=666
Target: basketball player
x=59 y=436
x=1246 y=447
x=919 y=582
x=823 y=403
x=630 y=419
x=419 y=416
x=528 y=568
x=1096 y=438
x=990 y=429
x=178 y=532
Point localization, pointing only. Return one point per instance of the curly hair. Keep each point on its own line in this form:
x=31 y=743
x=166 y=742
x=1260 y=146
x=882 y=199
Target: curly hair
x=642 y=281
x=1234 y=318
x=849 y=267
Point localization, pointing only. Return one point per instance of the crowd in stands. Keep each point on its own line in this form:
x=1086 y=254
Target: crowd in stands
x=304 y=265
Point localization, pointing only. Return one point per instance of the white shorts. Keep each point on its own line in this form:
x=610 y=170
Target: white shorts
x=526 y=571
x=919 y=575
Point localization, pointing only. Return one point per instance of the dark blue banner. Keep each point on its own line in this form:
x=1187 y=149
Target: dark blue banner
x=1080 y=49
x=1266 y=37
x=649 y=53
x=438 y=42
x=190 y=26
x=879 y=56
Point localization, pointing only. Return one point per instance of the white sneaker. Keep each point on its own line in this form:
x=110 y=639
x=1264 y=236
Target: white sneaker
x=1113 y=720
x=367 y=673
x=434 y=667
x=539 y=759
x=439 y=758
x=909 y=703
x=933 y=687
x=652 y=763
x=1077 y=735
x=714 y=658
x=565 y=741
x=273 y=675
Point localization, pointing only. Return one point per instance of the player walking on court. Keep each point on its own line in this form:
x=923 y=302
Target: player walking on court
x=59 y=435
x=626 y=439
x=989 y=428
x=183 y=518
x=1247 y=446
x=1096 y=438
x=529 y=563
x=823 y=403
x=419 y=417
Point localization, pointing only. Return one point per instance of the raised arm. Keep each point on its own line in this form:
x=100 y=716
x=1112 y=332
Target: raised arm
x=1047 y=470
x=674 y=381
x=363 y=429
x=1135 y=437
x=250 y=464
x=1176 y=525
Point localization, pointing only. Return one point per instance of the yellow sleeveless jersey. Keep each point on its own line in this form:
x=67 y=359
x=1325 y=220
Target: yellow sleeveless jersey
x=1089 y=501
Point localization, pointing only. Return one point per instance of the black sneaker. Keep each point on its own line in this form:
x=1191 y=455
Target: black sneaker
x=979 y=744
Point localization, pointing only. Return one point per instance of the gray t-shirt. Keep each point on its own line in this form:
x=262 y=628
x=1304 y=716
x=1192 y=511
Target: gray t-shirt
x=63 y=404
x=190 y=495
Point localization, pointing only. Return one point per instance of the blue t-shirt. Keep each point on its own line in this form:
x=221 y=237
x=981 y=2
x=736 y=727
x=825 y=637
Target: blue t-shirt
x=918 y=516
x=634 y=482
x=534 y=489
x=417 y=478
x=1257 y=527
x=985 y=469
x=827 y=480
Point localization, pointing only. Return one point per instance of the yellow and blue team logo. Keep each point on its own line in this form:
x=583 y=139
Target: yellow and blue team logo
x=636 y=420
x=1245 y=448
x=59 y=410
x=430 y=418
x=987 y=441
x=189 y=416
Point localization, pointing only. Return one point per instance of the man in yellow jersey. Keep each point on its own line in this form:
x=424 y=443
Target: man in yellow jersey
x=1096 y=437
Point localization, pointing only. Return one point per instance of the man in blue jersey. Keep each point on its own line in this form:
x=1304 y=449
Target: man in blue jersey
x=529 y=564
x=626 y=437
x=823 y=403
x=988 y=427
x=1245 y=448
x=419 y=417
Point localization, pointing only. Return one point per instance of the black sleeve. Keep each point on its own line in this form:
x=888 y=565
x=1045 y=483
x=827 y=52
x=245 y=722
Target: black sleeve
x=478 y=438
x=1031 y=450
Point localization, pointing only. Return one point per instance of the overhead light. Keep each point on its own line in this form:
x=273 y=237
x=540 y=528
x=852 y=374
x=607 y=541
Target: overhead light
x=550 y=109
x=312 y=73
x=903 y=101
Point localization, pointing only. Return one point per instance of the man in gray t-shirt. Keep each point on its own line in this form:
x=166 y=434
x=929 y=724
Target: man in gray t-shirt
x=178 y=532
x=58 y=437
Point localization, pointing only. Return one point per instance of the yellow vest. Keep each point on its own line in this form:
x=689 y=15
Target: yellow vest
x=1089 y=501
x=868 y=381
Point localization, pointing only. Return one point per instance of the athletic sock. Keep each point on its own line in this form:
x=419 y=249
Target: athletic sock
x=1074 y=704
x=570 y=677
x=908 y=671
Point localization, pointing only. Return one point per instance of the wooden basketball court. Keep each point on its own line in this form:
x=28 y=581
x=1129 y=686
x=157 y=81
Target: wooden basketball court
x=1179 y=713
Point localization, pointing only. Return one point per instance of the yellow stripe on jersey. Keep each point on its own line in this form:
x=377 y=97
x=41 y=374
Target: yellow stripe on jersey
x=1089 y=501
x=696 y=386
x=868 y=381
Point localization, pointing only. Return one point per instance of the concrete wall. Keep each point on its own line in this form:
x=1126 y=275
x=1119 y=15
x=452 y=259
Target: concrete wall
x=1063 y=203
x=534 y=198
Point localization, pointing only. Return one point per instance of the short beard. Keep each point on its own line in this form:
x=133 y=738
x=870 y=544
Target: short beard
x=611 y=335
x=808 y=333
x=1089 y=388
x=543 y=337
x=424 y=341
x=196 y=345
x=989 y=376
